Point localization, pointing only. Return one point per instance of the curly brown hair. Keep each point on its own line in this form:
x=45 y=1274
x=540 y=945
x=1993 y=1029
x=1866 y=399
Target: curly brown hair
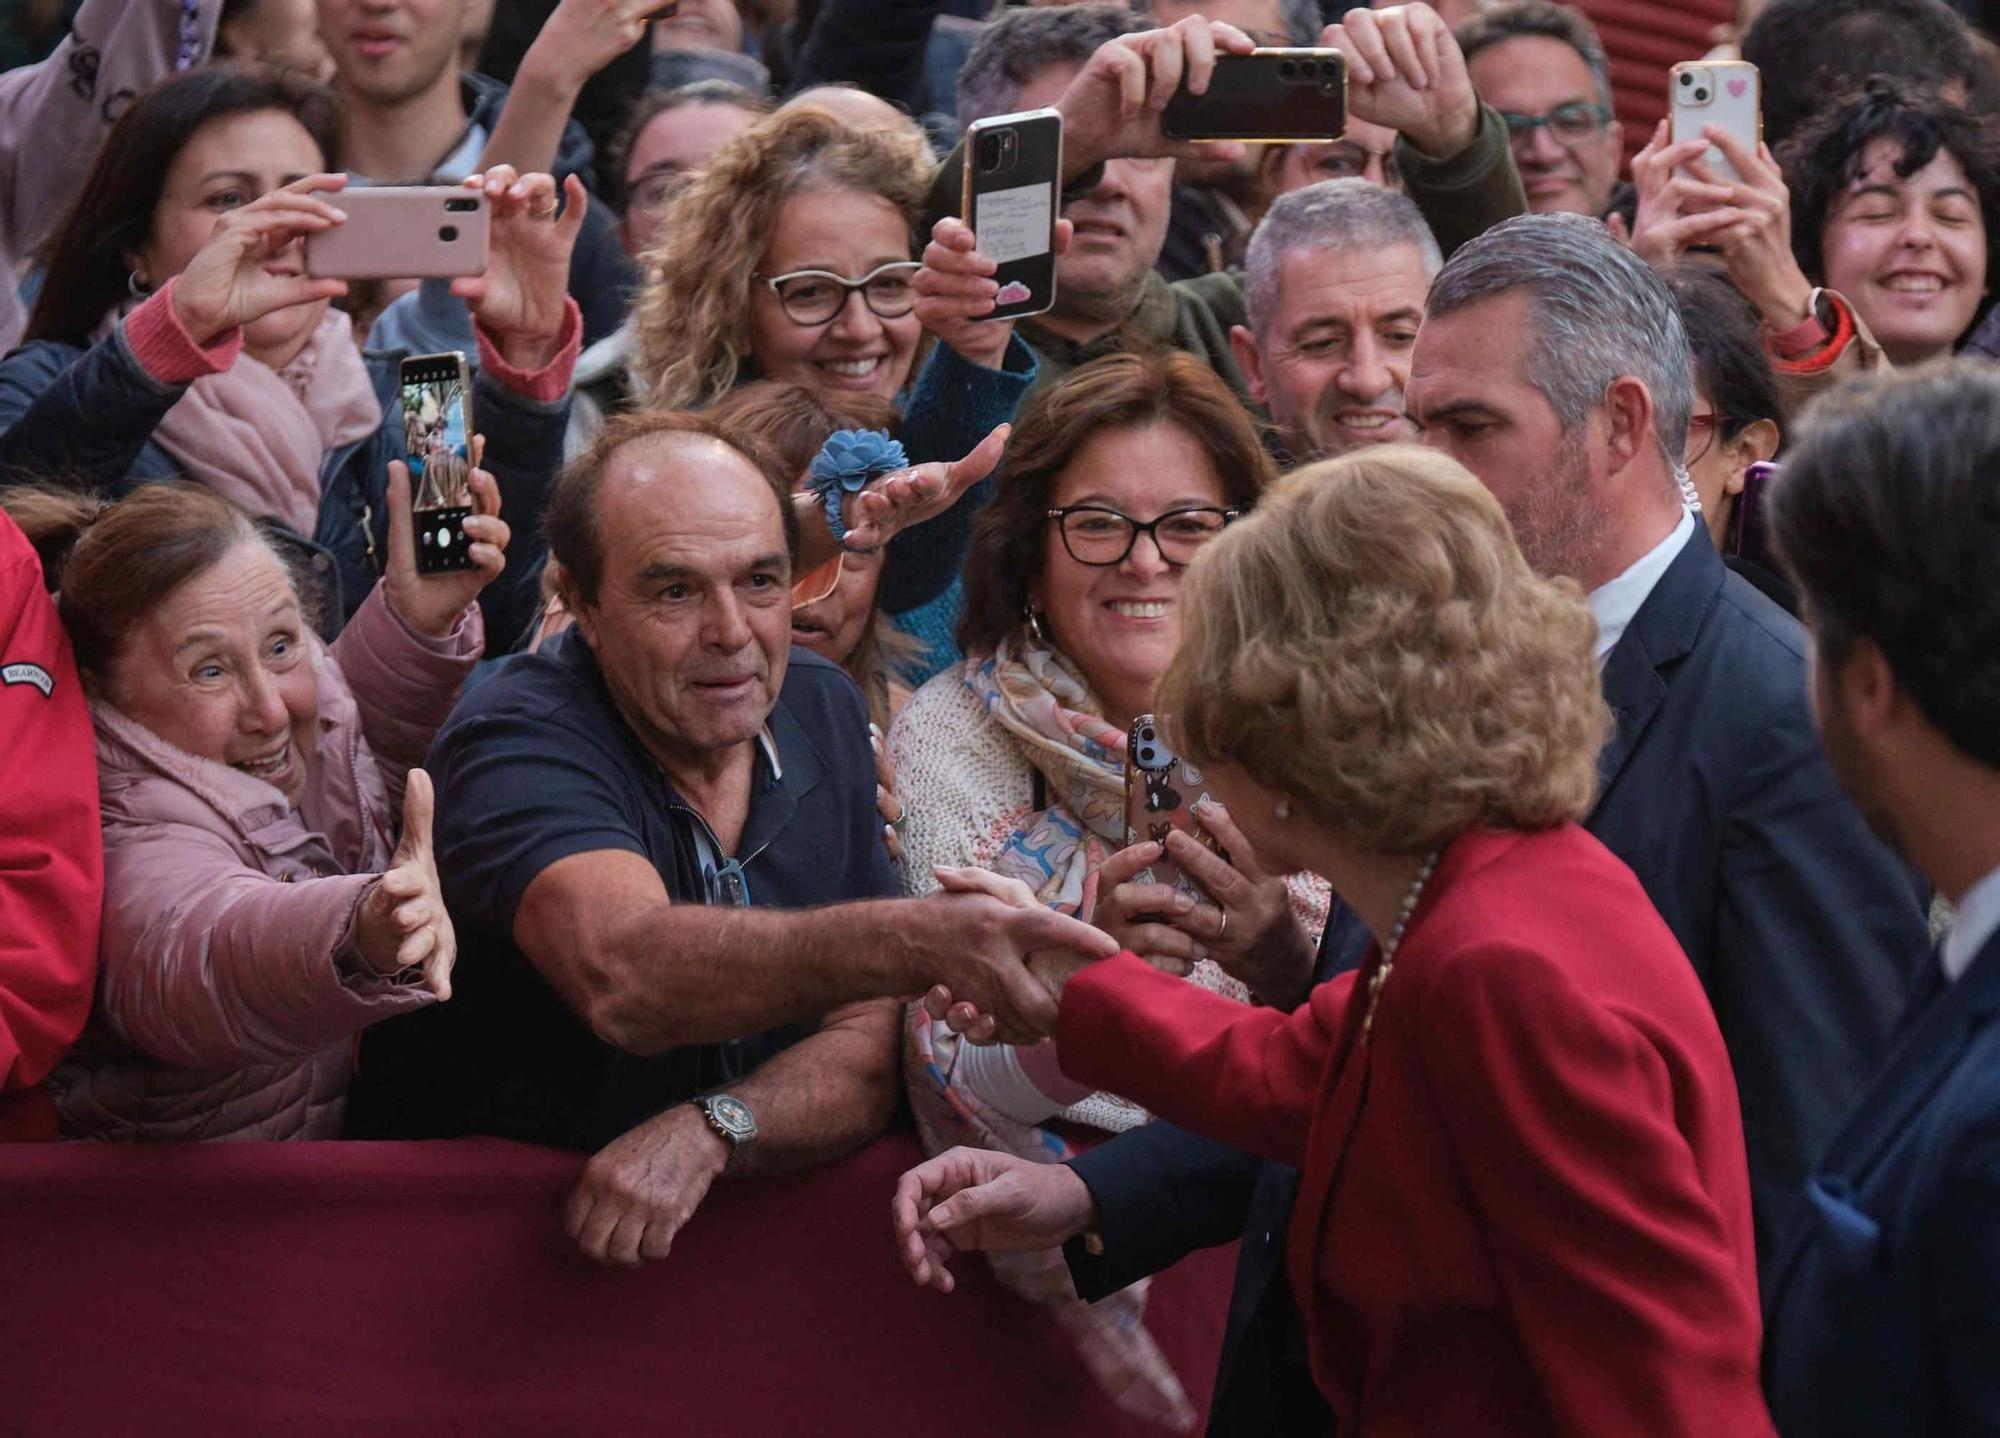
x=1122 y=391
x=693 y=313
x=1371 y=644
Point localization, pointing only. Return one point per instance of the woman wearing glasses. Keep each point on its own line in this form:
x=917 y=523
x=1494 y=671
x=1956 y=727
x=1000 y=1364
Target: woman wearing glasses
x=1116 y=476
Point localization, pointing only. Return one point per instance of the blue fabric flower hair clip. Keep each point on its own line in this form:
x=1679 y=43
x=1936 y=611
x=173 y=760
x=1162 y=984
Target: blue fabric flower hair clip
x=845 y=464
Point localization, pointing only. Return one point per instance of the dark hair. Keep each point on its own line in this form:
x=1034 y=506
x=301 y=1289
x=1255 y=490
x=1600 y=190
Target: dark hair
x=1730 y=364
x=1118 y=392
x=570 y=522
x=791 y=422
x=1887 y=516
x=1806 y=50
x=655 y=103
x=1017 y=45
x=1541 y=18
x=1825 y=156
x=111 y=564
x=84 y=257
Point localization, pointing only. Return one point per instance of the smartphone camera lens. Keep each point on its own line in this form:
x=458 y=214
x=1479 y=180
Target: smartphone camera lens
x=1687 y=79
x=448 y=233
x=1287 y=70
x=460 y=207
x=1701 y=95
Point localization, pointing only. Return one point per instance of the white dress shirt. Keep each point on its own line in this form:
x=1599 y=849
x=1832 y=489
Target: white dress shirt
x=1616 y=600
x=1978 y=918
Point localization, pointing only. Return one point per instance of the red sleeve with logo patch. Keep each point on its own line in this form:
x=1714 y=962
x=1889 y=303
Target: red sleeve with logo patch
x=51 y=844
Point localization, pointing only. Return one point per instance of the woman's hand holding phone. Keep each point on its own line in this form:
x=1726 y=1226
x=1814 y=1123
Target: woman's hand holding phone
x=432 y=603
x=230 y=281
x=956 y=292
x=520 y=299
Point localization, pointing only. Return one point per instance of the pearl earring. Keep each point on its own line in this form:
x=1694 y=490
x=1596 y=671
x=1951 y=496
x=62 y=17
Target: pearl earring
x=1283 y=810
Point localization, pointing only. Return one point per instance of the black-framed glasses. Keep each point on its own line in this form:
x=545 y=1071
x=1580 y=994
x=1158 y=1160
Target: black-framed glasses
x=1095 y=535
x=813 y=297
x=1571 y=124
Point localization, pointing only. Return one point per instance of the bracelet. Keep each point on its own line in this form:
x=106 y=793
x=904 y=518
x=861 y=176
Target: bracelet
x=845 y=464
x=1804 y=338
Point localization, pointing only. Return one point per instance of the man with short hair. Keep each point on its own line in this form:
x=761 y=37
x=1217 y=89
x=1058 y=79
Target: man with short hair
x=1884 y=1307
x=1542 y=67
x=1081 y=59
x=652 y=836
x=1334 y=281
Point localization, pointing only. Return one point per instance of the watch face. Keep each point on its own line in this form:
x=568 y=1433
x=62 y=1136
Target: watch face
x=733 y=1116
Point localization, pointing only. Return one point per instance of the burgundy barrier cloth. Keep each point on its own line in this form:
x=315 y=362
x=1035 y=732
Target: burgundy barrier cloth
x=342 y=1288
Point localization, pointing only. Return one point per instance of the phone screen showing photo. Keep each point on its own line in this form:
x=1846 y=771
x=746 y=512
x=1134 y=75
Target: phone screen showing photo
x=437 y=445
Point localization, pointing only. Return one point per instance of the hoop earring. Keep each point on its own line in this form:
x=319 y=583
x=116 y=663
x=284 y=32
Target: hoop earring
x=1034 y=622
x=137 y=286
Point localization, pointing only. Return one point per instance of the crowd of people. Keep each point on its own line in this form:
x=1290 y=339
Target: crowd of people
x=1568 y=559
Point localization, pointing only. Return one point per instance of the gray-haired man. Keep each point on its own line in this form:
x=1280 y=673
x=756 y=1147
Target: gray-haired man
x=1334 y=280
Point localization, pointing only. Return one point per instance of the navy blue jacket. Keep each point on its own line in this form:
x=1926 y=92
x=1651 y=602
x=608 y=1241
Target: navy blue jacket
x=1884 y=1307
x=1803 y=928
x=72 y=415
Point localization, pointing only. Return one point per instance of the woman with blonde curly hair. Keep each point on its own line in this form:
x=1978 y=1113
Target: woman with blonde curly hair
x=1524 y=1207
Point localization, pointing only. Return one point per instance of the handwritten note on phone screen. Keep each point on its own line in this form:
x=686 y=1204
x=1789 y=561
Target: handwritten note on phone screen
x=1013 y=224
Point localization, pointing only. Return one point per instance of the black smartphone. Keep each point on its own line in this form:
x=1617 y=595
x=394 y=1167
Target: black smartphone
x=1267 y=97
x=437 y=445
x=1013 y=194
x=1751 y=537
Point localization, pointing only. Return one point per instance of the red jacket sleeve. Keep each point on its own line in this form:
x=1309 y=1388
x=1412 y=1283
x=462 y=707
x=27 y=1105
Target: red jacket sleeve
x=1247 y=1077
x=51 y=845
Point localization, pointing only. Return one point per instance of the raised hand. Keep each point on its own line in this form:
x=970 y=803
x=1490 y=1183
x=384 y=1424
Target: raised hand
x=956 y=291
x=228 y=283
x=639 y=1190
x=1111 y=110
x=1405 y=71
x=972 y=1198
x=520 y=298
x=431 y=603
x=583 y=36
x=402 y=922
x=901 y=501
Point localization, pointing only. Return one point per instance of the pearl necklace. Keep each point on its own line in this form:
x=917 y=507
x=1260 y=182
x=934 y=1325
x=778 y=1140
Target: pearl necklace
x=1395 y=940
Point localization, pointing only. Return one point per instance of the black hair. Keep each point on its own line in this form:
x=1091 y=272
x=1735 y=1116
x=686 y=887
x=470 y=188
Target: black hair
x=1887 y=515
x=86 y=271
x=1825 y=156
x=1806 y=50
x=1731 y=366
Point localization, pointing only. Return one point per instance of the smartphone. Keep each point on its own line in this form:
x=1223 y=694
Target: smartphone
x=1013 y=194
x=403 y=232
x=1161 y=791
x=1751 y=529
x=1268 y=97
x=1727 y=93
x=437 y=445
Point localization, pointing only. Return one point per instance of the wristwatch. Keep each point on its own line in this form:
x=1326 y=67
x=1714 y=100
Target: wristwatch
x=730 y=1117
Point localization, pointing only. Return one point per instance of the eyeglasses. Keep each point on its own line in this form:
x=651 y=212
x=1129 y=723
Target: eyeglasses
x=653 y=190
x=726 y=885
x=813 y=297
x=1571 y=124
x=1700 y=437
x=1094 y=535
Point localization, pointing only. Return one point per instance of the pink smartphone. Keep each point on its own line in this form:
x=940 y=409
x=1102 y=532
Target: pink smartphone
x=402 y=232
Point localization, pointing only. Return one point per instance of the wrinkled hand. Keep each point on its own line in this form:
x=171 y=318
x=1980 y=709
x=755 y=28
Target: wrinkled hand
x=431 y=603
x=956 y=291
x=1405 y=71
x=1111 y=110
x=225 y=287
x=887 y=802
x=900 y=501
x=639 y=1190
x=581 y=37
x=520 y=298
x=972 y=1198
x=403 y=922
x=1001 y=956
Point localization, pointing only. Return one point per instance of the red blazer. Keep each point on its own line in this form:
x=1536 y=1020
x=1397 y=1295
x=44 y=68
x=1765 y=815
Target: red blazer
x=1523 y=1204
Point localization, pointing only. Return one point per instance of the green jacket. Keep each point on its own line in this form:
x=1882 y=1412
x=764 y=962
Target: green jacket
x=1461 y=196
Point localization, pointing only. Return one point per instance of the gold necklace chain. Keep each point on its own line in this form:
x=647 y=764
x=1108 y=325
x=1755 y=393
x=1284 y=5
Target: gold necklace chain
x=1395 y=940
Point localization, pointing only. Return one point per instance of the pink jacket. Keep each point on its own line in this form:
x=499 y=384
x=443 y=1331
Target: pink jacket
x=227 y=1000
x=54 y=115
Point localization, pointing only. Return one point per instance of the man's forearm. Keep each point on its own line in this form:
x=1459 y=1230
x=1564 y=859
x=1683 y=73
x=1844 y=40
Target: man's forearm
x=825 y=1095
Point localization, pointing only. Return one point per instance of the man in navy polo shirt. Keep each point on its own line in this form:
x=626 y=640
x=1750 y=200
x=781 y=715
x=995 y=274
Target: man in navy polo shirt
x=651 y=836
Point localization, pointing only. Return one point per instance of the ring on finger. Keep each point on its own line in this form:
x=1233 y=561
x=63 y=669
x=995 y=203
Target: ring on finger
x=902 y=817
x=1223 y=931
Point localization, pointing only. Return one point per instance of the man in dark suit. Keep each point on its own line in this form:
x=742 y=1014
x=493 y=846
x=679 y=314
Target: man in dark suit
x=1552 y=363
x=1883 y=1305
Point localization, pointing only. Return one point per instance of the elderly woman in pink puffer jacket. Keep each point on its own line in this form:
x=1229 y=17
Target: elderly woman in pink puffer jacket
x=259 y=910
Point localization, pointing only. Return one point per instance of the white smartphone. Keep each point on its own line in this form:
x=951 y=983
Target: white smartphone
x=1726 y=93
